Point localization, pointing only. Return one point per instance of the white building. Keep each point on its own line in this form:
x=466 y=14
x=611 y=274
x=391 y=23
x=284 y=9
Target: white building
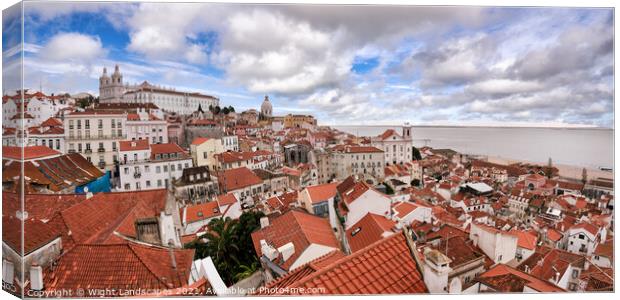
x=500 y=246
x=146 y=126
x=583 y=238
x=38 y=107
x=350 y=160
x=230 y=142
x=95 y=134
x=112 y=89
x=398 y=148
x=361 y=199
x=155 y=166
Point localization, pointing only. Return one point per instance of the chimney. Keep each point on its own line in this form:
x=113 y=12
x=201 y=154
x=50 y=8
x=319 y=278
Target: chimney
x=21 y=215
x=268 y=250
x=287 y=251
x=557 y=277
x=36 y=277
x=173 y=259
x=264 y=222
x=89 y=195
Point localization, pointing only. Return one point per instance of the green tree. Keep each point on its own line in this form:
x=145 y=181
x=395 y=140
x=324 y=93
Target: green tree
x=216 y=110
x=415 y=182
x=225 y=110
x=416 y=154
x=388 y=189
x=231 y=109
x=229 y=244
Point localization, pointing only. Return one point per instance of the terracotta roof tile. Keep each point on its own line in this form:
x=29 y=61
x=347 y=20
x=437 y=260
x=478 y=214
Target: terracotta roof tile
x=322 y=192
x=385 y=267
x=119 y=266
x=36 y=234
x=506 y=279
x=136 y=145
x=199 y=140
x=300 y=228
x=202 y=211
x=368 y=230
x=238 y=178
x=30 y=152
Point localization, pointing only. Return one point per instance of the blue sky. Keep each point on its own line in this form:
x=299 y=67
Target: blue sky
x=345 y=65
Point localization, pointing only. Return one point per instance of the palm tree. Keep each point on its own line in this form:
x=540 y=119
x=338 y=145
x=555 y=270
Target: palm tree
x=222 y=240
x=246 y=271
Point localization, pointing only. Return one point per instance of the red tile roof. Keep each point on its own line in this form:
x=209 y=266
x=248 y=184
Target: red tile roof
x=136 y=145
x=39 y=206
x=202 y=211
x=166 y=149
x=587 y=227
x=506 y=279
x=238 y=178
x=36 y=234
x=368 y=230
x=385 y=267
x=525 y=240
x=199 y=140
x=51 y=122
x=55 y=173
x=322 y=192
x=300 y=228
x=283 y=201
x=404 y=208
x=95 y=220
x=273 y=287
x=30 y=152
x=388 y=133
x=121 y=267
x=556 y=261
x=226 y=199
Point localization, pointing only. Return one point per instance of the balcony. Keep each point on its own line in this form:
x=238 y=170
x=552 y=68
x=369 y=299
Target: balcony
x=101 y=164
x=101 y=150
x=88 y=151
x=71 y=151
x=96 y=137
x=137 y=175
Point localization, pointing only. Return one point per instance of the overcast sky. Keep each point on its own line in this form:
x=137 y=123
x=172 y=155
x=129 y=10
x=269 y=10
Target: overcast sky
x=343 y=64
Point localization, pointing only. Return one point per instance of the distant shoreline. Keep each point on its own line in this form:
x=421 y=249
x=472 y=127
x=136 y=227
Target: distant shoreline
x=478 y=126
x=564 y=170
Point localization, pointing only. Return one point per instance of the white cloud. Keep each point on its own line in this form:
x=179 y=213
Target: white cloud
x=72 y=47
x=504 y=86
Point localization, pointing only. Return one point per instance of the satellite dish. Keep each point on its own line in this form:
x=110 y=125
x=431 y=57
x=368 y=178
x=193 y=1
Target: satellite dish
x=85 y=189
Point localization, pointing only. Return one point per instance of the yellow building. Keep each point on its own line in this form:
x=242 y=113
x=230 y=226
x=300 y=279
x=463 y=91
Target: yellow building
x=203 y=151
x=299 y=121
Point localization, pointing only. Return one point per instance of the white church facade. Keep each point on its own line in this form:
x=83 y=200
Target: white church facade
x=113 y=90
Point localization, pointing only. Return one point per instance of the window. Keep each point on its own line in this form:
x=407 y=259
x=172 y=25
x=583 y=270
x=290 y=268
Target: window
x=127 y=186
x=582 y=236
x=159 y=182
x=126 y=170
x=158 y=169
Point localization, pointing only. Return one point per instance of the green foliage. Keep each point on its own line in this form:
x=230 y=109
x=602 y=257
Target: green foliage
x=416 y=154
x=388 y=189
x=415 y=182
x=230 y=246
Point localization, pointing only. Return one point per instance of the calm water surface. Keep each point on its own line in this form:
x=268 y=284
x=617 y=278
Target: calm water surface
x=590 y=148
